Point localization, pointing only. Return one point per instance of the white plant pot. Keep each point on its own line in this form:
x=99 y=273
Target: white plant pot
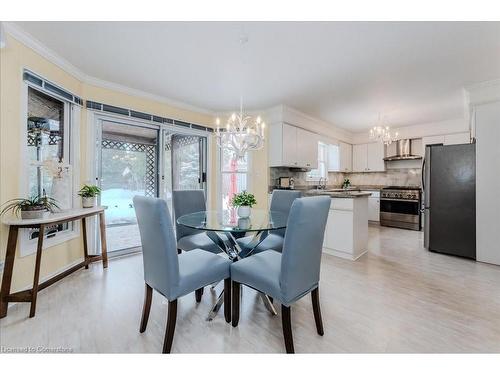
x=88 y=202
x=244 y=211
x=34 y=214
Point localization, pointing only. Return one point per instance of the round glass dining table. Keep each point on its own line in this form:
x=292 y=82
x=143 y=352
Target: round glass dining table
x=224 y=227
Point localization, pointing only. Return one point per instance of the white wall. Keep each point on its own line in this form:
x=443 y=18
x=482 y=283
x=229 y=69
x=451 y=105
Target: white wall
x=487 y=118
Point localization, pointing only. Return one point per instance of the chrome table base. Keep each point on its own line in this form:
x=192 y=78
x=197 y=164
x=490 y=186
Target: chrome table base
x=228 y=244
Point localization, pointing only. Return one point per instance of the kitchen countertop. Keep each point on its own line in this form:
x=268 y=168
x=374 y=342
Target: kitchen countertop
x=338 y=194
x=306 y=188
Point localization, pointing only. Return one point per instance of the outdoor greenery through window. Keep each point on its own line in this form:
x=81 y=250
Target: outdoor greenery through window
x=234 y=175
x=47 y=143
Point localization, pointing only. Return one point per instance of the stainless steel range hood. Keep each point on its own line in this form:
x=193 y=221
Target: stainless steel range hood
x=403 y=151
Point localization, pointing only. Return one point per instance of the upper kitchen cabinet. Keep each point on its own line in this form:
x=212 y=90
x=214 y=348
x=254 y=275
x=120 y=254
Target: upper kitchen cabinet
x=368 y=157
x=345 y=157
x=360 y=158
x=293 y=147
x=340 y=157
x=446 y=139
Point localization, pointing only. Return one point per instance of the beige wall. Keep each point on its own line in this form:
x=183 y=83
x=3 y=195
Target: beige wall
x=13 y=58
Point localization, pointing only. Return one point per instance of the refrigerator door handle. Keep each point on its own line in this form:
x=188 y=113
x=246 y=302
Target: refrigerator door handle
x=423 y=174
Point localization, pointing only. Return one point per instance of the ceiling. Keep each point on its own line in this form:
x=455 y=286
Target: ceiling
x=342 y=72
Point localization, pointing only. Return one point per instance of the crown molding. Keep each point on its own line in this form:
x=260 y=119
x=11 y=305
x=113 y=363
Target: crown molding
x=29 y=41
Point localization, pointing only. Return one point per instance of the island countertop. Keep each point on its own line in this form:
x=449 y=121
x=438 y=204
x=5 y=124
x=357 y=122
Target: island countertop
x=338 y=194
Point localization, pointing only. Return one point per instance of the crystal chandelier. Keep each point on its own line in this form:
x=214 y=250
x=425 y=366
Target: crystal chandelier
x=382 y=133
x=242 y=133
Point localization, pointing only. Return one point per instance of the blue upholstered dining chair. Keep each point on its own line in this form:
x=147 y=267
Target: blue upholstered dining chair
x=288 y=276
x=188 y=202
x=281 y=201
x=171 y=274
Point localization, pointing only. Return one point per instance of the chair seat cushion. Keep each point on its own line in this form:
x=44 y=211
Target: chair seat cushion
x=199 y=268
x=197 y=241
x=271 y=242
x=260 y=271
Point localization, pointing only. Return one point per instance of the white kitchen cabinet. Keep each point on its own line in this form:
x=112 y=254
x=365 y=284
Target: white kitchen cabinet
x=446 y=139
x=307 y=148
x=345 y=151
x=376 y=154
x=368 y=157
x=457 y=138
x=360 y=158
x=346 y=232
x=290 y=146
x=374 y=206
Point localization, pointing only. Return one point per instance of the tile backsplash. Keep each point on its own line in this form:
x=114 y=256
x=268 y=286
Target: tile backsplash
x=401 y=177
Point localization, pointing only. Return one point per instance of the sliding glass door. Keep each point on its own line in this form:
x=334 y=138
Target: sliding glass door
x=184 y=163
x=141 y=159
x=128 y=167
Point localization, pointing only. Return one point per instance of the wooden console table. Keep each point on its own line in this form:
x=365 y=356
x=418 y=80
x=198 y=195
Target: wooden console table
x=29 y=295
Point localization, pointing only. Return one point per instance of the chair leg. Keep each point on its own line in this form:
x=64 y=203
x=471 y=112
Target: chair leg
x=271 y=299
x=148 y=295
x=236 y=303
x=227 y=300
x=286 y=321
x=317 y=311
x=198 y=293
x=169 y=332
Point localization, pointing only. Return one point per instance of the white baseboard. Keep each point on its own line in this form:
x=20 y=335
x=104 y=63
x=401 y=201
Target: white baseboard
x=342 y=254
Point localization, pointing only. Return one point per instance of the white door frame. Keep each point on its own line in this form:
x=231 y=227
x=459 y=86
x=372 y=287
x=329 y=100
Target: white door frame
x=94 y=121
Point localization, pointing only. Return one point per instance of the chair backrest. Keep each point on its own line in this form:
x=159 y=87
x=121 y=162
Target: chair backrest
x=302 y=247
x=281 y=201
x=159 y=248
x=187 y=202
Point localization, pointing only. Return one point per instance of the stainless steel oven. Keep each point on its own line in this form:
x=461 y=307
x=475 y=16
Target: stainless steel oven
x=400 y=207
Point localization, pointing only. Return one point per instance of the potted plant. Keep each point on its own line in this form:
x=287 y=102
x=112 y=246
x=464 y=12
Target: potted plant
x=346 y=183
x=89 y=195
x=244 y=201
x=34 y=207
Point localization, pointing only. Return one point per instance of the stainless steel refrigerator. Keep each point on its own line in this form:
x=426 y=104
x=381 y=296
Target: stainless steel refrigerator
x=449 y=204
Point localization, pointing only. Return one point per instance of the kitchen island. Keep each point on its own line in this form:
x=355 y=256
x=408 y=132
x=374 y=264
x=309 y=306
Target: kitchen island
x=346 y=233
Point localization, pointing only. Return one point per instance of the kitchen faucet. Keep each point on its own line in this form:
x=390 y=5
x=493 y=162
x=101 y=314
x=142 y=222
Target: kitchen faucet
x=322 y=183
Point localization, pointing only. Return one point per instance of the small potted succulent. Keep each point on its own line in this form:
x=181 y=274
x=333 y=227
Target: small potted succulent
x=244 y=201
x=34 y=207
x=346 y=183
x=89 y=195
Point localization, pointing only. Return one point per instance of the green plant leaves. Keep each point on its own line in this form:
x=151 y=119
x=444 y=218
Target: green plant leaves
x=243 y=199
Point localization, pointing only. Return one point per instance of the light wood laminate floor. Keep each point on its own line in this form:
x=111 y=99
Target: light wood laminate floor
x=396 y=298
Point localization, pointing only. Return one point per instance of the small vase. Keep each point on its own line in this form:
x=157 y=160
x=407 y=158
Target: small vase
x=244 y=211
x=88 y=202
x=61 y=193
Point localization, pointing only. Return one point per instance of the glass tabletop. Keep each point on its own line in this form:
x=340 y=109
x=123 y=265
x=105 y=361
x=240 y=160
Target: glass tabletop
x=228 y=221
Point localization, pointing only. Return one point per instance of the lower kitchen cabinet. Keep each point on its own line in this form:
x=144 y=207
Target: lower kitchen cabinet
x=374 y=206
x=346 y=232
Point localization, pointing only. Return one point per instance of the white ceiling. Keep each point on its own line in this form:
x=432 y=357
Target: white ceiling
x=341 y=72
